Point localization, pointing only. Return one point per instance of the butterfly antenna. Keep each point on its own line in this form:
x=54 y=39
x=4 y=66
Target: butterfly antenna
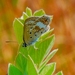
x=8 y=41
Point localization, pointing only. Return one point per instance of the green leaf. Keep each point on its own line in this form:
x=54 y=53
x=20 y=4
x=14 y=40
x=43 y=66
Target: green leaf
x=12 y=70
x=45 y=35
x=21 y=62
x=48 y=58
x=29 y=50
x=28 y=11
x=51 y=40
x=48 y=69
x=25 y=16
x=59 y=73
x=18 y=28
x=31 y=67
x=44 y=48
x=21 y=20
x=39 y=12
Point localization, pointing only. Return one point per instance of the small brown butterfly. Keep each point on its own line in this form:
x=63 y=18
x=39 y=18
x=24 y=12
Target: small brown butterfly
x=34 y=27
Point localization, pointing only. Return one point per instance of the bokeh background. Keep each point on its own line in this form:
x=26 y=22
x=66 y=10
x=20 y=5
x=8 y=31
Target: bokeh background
x=63 y=24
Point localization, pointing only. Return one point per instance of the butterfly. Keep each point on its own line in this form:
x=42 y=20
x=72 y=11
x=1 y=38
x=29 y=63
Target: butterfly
x=34 y=27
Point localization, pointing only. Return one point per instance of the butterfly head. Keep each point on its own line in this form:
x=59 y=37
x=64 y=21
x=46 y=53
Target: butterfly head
x=45 y=19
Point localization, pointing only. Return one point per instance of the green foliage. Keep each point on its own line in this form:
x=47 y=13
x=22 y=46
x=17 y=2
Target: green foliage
x=13 y=70
x=48 y=69
x=18 y=28
x=28 y=11
x=31 y=67
x=59 y=73
x=39 y=12
x=21 y=63
x=25 y=16
x=32 y=61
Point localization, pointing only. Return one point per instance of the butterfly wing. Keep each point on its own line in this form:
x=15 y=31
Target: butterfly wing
x=28 y=28
x=34 y=27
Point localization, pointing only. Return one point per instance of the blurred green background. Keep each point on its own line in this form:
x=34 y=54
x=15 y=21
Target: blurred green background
x=63 y=24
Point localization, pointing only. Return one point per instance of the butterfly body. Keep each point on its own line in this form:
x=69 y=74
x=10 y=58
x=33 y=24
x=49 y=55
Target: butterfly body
x=34 y=27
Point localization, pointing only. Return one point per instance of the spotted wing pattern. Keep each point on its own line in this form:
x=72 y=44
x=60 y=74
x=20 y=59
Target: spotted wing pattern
x=34 y=27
